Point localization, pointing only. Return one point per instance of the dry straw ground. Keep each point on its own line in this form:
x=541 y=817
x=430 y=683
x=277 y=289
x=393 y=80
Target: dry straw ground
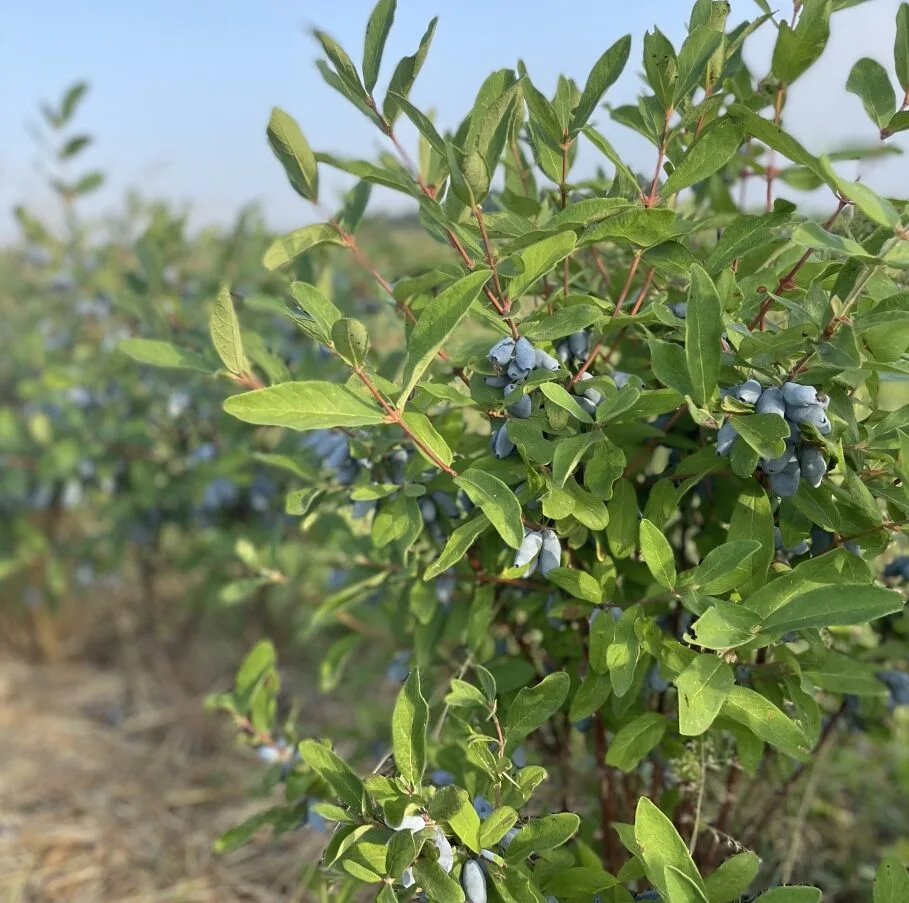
x=114 y=782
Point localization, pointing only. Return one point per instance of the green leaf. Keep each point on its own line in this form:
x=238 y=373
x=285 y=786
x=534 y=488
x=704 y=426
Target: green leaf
x=534 y=706
x=773 y=136
x=316 y=305
x=794 y=894
x=294 y=153
x=869 y=81
x=709 y=153
x=579 y=584
x=436 y=324
x=891 y=881
x=437 y=883
x=635 y=740
x=285 y=249
x=163 y=354
x=703 y=329
x=541 y=834
x=623 y=653
x=700 y=45
x=406 y=73
x=660 y=67
x=563 y=322
x=225 y=333
x=622 y=532
x=461 y=539
x=670 y=366
x=496 y=501
x=377 y=30
x=901 y=47
x=497 y=825
x=591 y=695
x=421 y=427
x=657 y=554
x=334 y=771
x=88 y=183
x=725 y=567
x=559 y=396
x=765 y=433
x=604 y=73
x=752 y=519
x=732 y=878
x=424 y=125
x=703 y=687
x=350 y=340
x=542 y=113
x=568 y=455
x=342 y=63
x=725 y=626
x=644 y=226
x=798 y=48
x=766 y=721
x=539 y=259
x=741 y=235
x=403 y=848
x=408 y=730
x=70 y=101
x=312 y=405
x=661 y=848
x=876 y=208
x=839 y=605
x=602 y=635
x=452 y=805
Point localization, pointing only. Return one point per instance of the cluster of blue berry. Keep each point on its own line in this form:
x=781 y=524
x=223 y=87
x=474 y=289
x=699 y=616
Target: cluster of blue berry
x=799 y=406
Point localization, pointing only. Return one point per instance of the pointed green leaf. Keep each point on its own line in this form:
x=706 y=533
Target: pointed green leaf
x=604 y=73
x=703 y=687
x=312 y=405
x=496 y=501
x=436 y=324
x=541 y=834
x=657 y=554
x=732 y=879
x=534 y=706
x=225 y=333
x=661 y=848
x=288 y=247
x=408 y=730
x=334 y=771
x=406 y=73
x=869 y=81
x=703 y=329
x=377 y=29
x=635 y=740
x=294 y=153
x=163 y=354
x=891 y=881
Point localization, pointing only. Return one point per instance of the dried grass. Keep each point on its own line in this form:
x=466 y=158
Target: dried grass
x=114 y=783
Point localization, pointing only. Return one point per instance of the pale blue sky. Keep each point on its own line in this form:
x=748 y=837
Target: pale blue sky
x=181 y=91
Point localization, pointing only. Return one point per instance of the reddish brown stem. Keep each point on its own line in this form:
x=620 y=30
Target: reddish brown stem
x=635 y=263
x=787 y=281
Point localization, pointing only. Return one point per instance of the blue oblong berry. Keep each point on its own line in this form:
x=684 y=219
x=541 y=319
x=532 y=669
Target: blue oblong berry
x=771 y=402
x=796 y=394
x=529 y=548
x=473 y=881
x=550 y=553
x=544 y=361
x=724 y=438
x=579 y=342
x=502 y=352
x=786 y=482
x=525 y=355
x=813 y=465
x=749 y=391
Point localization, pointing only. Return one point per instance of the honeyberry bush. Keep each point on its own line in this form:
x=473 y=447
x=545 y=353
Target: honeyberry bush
x=113 y=479
x=617 y=498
